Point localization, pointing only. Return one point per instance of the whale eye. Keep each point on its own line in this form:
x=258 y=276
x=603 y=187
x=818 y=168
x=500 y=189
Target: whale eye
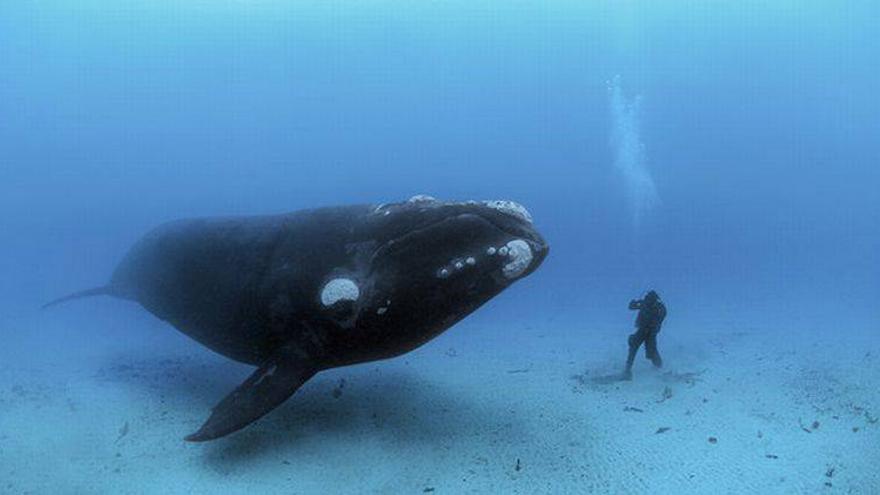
x=339 y=289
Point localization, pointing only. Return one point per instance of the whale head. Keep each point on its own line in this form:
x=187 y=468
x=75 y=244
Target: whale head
x=435 y=262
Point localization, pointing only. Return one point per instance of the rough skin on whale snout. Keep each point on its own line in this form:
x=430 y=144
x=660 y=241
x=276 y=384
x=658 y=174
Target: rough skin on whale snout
x=297 y=293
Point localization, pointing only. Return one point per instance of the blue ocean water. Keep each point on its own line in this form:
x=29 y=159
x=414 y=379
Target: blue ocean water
x=723 y=153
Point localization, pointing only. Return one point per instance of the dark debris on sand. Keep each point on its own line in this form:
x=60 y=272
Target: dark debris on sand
x=666 y=395
x=689 y=378
x=123 y=431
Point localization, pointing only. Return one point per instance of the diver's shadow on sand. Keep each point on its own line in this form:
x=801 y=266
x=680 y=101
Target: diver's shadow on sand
x=609 y=379
x=385 y=405
x=603 y=379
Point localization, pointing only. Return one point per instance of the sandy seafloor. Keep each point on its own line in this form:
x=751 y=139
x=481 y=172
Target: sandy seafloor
x=97 y=400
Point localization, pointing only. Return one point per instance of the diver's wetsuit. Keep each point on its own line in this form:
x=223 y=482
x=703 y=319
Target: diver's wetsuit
x=648 y=322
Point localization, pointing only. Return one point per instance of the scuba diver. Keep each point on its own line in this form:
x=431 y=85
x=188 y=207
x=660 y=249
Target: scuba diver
x=648 y=322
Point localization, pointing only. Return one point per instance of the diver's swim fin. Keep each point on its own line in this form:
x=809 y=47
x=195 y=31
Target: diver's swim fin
x=269 y=386
x=106 y=290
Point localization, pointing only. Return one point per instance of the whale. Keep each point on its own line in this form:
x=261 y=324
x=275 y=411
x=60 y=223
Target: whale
x=297 y=293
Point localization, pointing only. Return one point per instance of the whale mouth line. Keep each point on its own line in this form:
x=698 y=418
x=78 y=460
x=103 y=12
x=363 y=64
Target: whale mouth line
x=420 y=231
x=428 y=226
x=503 y=222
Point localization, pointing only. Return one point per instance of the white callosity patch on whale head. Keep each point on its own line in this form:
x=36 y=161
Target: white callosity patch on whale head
x=511 y=208
x=384 y=309
x=422 y=198
x=520 y=255
x=339 y=289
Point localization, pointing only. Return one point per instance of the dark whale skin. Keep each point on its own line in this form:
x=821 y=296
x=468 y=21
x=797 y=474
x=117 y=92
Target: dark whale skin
x=300 y=292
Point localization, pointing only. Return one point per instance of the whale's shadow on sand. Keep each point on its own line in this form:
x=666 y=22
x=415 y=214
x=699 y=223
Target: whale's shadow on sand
x=375 y=403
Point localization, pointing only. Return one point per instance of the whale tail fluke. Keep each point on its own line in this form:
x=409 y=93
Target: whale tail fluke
x=97 y=291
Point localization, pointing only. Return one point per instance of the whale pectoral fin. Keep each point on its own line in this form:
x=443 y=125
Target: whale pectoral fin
x=269 y=386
